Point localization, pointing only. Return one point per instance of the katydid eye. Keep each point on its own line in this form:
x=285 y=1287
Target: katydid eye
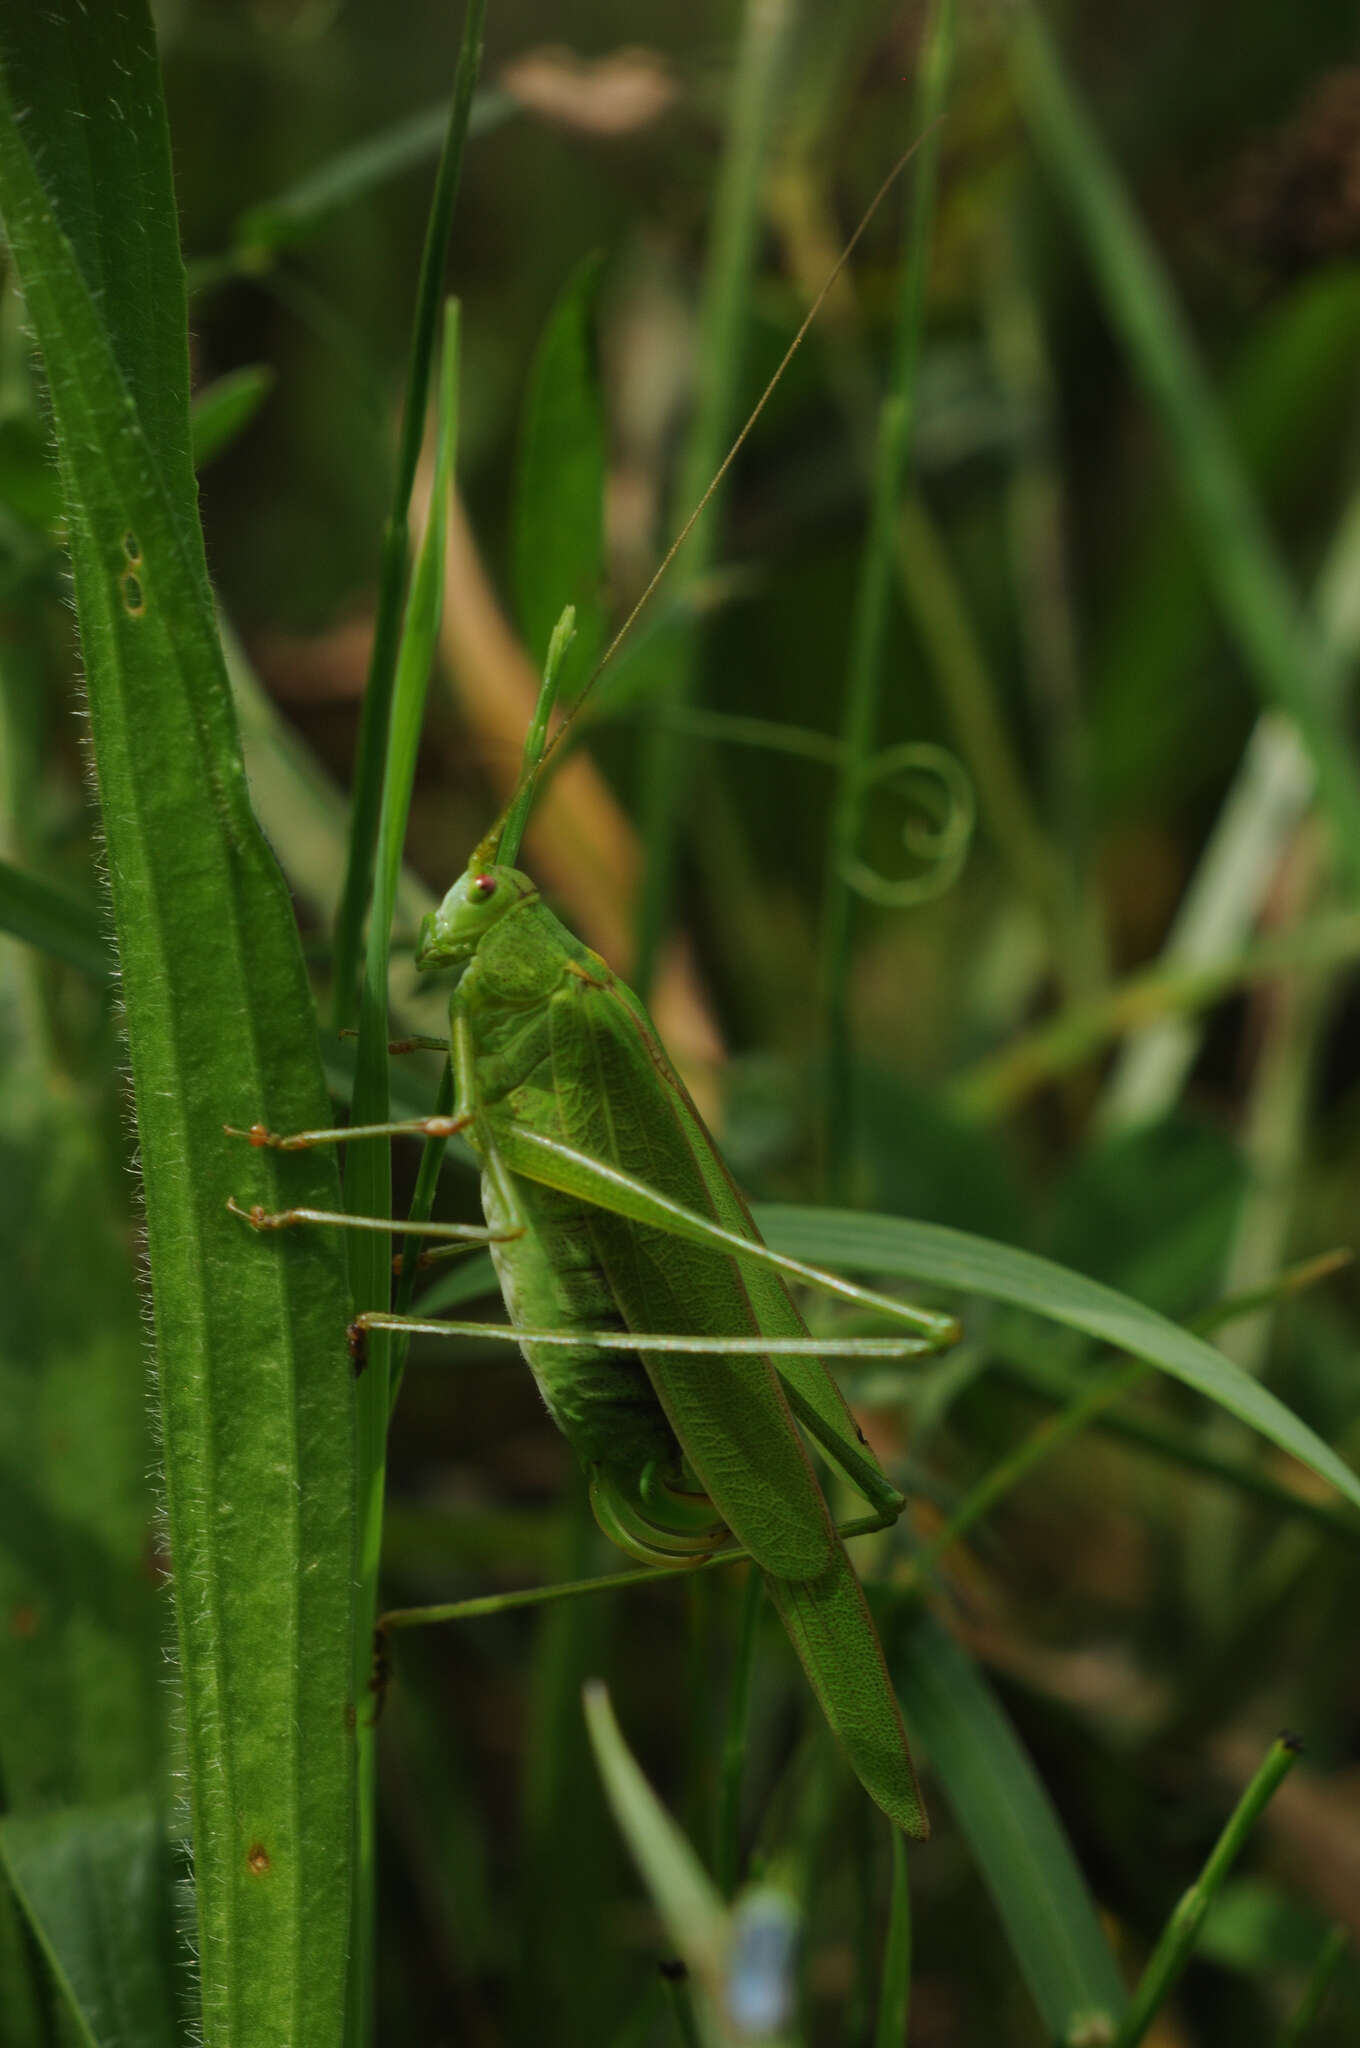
x=484 y=886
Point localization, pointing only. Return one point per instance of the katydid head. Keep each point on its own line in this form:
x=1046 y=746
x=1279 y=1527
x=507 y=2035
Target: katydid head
x=478 y=900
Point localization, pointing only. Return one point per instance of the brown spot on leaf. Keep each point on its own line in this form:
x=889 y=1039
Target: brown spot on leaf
x=258 y=1859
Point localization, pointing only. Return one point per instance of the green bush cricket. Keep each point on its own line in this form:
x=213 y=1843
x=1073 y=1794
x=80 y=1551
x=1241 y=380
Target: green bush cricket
x=611 y=1218
x=660 y=1329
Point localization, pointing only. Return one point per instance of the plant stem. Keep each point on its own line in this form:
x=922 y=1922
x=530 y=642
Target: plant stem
x=578 y=1589
x=1181 y=1932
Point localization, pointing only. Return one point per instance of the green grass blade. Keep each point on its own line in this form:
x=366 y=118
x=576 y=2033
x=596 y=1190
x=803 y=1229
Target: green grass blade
x=690 y=1906
x=1289 y=661
x=96 y=1885
x=955 y=1260
x=47 y=918
x=860 y=718
x=370 y=759
x=762 y=53
x=894 y=2000
x=224 y=409
x=1021 y=1850
x=298 y=213
x=368 y=1178
x=1172 y=987
x=257 y=1420
x=559 y=488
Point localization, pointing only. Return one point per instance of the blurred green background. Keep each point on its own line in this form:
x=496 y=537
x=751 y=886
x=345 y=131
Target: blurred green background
x=1147 y=1623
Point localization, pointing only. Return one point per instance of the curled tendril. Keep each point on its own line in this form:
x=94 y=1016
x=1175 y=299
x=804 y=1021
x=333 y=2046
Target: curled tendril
x=938 y=829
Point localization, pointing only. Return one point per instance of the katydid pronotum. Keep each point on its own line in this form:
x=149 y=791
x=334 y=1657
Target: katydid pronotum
x=660 y=1329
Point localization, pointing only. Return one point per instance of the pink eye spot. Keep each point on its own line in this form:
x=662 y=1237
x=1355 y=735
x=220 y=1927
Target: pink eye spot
x=484 y=885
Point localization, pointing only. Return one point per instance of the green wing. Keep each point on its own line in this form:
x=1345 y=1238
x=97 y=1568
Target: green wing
x=729 y=1413
x=777 y=1313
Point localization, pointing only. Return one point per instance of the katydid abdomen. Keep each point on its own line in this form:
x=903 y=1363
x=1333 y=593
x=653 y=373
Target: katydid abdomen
x=680 y=1449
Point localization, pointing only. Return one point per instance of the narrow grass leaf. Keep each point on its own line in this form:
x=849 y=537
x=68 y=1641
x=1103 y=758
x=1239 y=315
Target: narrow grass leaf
x=1290 y=662
x=860 y=716
x=257 y=1419
x=53 y=922
x=370 y=759
x=690 y=1905
x=223 y=410
x=368 y=1177
x=559 y=487
x=894 y=2002
x=1017 y=1839
x=766 y=36
x=296 y=214
x=955 y=1261
x=96 y=1885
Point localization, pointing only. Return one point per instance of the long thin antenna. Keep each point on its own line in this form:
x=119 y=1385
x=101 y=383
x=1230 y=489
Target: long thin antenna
x=531 y=775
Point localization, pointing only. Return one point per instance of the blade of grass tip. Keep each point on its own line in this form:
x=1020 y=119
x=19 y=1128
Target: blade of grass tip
x=1173 y=1950
x=1291 y=664
x=868 y=628
x=956 y=1260
x=691 y=1910
x=536 y=739
x=766 y=32
x=894 y=2005
x=382 y=666
x=224 y=409
x=1330 y=1957
x=1092 y=1395
x=368 y=1177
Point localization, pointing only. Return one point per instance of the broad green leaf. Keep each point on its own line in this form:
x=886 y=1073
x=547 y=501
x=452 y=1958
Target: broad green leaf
x=54 y=922
x=1017 y=1839
x=959 y=1263
x=96 y=1884
x=256 y=1408
x=559 y=487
